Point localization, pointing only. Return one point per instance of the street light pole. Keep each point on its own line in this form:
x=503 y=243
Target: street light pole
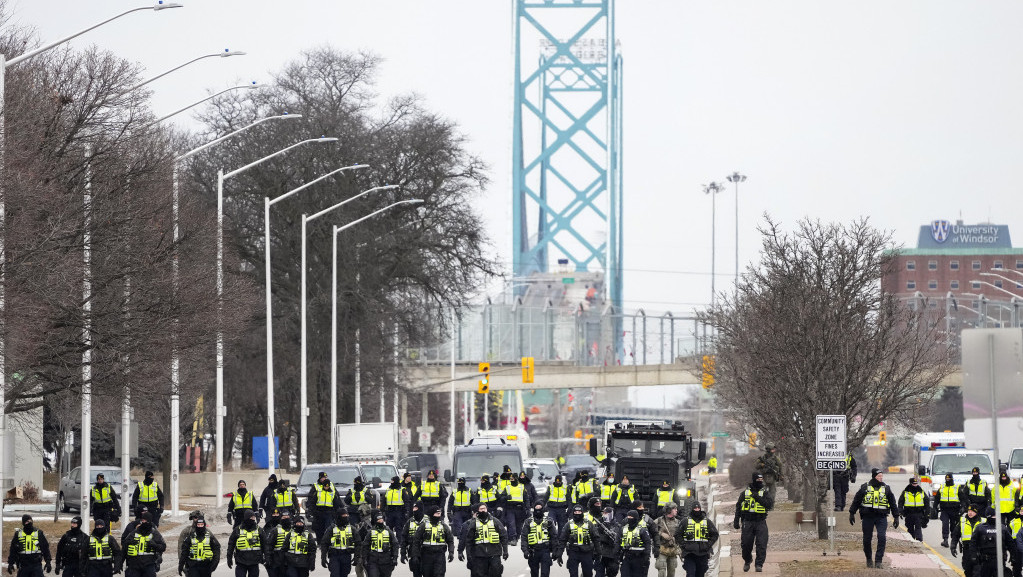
x=713 y=189
x=271 y=446
x=333 y=302
x=735 y=178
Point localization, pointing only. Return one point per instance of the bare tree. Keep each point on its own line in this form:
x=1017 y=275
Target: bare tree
x=809 y=331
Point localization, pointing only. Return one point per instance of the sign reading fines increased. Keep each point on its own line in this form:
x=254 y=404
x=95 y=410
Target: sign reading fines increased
x=831 y=446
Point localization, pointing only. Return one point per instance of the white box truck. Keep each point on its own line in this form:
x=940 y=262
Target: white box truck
x=367 y=442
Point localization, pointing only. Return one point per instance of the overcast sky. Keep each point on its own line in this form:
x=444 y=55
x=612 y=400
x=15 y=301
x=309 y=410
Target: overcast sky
x=904 y=111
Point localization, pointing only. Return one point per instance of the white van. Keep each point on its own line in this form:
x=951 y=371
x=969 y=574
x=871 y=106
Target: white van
x=926 y=445
x=960 y=464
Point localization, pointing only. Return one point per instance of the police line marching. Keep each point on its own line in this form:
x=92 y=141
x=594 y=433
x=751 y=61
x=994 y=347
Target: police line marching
x=597 y=529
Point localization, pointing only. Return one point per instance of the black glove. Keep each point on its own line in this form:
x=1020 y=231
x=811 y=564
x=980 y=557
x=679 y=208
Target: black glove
x=735 y=524
x=954 y=553
x=230 y=519
x=404 y=558
x=10 y=568
x=657 y=553
x=356 y=563
x=504 y=556
x=323 y=563
x=117 y=570
x=852 y=518
x=451 y=557
x=461 y=556
x=924 y=522
x=58 y=566
x=896 y=523
x=181 y=571
x=230 y=563
x=561 y=563
x=48 y=568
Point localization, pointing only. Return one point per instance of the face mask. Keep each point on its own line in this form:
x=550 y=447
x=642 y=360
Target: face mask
x=342 y=521
x=29 y=527
x=485 y=483
x=101 y=484
x=359 y=486
x=145 y=528
x=149 y=480
x=483 y=516
x=758 y=484
x=515 y=482
x=462 y=487
x=431 y=479
x=395 y=485
x=435 y=519
x=250 y=523
x=242 y=490
x=417 y=514
x=949 y=481
x=200 y=531
x=286 y=523
x=698 y=515
x=607 y=517
x=275 y=519
x=578 y=517
x=633 y=522
x=975 y=478
x=300 y=528
x=99 y=531
x=538 y=514
x=557 y=482
x=523 y=480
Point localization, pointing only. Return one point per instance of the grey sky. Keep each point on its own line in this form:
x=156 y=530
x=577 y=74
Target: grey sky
x=901 y=111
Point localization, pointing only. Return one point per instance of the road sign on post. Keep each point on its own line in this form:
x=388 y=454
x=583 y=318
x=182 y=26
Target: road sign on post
x=831 y=445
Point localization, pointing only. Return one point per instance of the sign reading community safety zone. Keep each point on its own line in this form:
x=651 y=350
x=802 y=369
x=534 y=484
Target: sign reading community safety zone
x=831 y=446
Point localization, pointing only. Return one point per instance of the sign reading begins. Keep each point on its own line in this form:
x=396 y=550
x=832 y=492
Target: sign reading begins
x=831 y=445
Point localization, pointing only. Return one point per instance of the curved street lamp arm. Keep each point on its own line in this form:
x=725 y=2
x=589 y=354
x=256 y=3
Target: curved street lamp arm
x=194 y=104
x=176 y=68
x=278 y=153
x=372 y=214
x=312 y=182
x=346 y=201
x=195 y=151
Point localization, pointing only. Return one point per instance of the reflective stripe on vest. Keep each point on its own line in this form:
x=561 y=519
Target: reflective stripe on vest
x=299 y=543
x=875 y=498
x=487 y=495
x=949 y=494
x=580 y=533
x=280 y=538
x=1015 y=525
x=431 y=489
x=514 y=493
x=696 y=531
x=487 y=533
x=99 y=549
x=358 y=497
x=664 y=496
x=395 y=497
x=1006 y=498
x=913 y=499
x=435 y=534
x=631 y=539
x=537 y=533
x=325 y=497
x=463 y=498
x=140 y=546
x=557 y=494
x=630 y=490
x=584 y=487
x=242 y=502
x=966 y=527
x=342 y=538
x=200 y=550
x=606 y=490
x=248 y=541
x=101 y=495
x=29 y=542
x=283 y=499
x=378 y=539
x=147 y=493
x=748 y=504
x=977 y=490
x=713 y=463
x=413 y=525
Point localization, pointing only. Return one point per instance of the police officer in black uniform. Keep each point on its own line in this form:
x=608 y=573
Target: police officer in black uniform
x=102 y=556
x=430 y=542
x=379 y=548
x=300 y=553
x=339 y=548
x=752 y=508
x=29 y=549
x=143 y=548
x=69 y=550
x=875 y=501
x=536 y=534
x=486 y=543
x=245 y=546
x=200 y=554
x=579 y=536
x=634 y=546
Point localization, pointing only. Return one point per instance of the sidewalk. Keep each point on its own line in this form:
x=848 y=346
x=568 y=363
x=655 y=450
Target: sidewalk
x=798 y=553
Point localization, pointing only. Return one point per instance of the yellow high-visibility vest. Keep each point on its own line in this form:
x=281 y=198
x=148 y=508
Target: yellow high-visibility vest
x=200 y=549
x=557 y=494
x=299 y=543
x=140 y=546
x=463 y=498
x=148 y=493
x=248 y=541
x=379 y=539
x=664 y=496
x=29 y=542
x=696 y=531
x=949 y=494
x=487 y=533
x=242 y=502
x=395 y=497
x=514 y=493
x=431 y=489
x=876 y=498
x=99 y=549
x=1006 y=498
x=101 y=495
x=342 y=538
x=325 y=496
x=912 y=499
x=606 y=490
x=749 y=504
x=537 y=533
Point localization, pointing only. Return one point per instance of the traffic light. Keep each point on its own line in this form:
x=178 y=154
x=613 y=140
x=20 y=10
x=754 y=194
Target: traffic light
x=484 y=384
x=752 y=440
x=882 y=437
x=527 y=369
x=708 y=371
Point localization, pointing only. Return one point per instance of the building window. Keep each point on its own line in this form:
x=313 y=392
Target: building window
x=932 y=265
x=976 y=265
x=1019 y=265
x=998 y=283
x=976 y=285
x=998 y=264
x=954 y=285
x=953 y=265
x=910 y=285
x=932 y=304
x=932 y=284
x=910 y=265
x=974 y=304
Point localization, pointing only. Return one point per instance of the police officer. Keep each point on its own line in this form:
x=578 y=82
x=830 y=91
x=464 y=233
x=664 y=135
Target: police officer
x=485 y=543
x=516 y=503
x=504 y=479
x=149 y=495
x=395 y=507
x=276 y=545
x=103 y=500
x=360 y=501
x=434 y=493
x=267 y=501
x=634 y=545
x=535 y=541
x=949 y=507
x=339 y=547
x=284 y=498
x=431 y=541
x=623 y=499
x=102 y=556
x=1004 y=493
x=605 y=551
x=583 y=489
x=579 y=537
x=875 y=501
x=241 y=502
x=245 y=547
x=696 y=537
x=842 y=480
x=487 y=493
x=29 y=548
x=962 y=538
x=665 y=495
x=200 y=554
x=407 y=533
x=300 y=554
x=1013 y=546
x=70 y=549
x=712 y=464
x=984 y=542
x=914 y=503
x=976 y=492
x=557 y=501
x=752 y=507
x=322 y=502
x=188 y=530
x=143 y=548
x=412 y=490
x=460 y=505
x=608 y=488
x=379 y=548
x=771 y=466
x=526 y=482
x=130 y=527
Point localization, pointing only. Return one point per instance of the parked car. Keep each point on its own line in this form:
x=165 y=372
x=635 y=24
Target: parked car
x=69 y=494
x=542 y=473
x=575 y=463
x=419 y=464
x=376 y=476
